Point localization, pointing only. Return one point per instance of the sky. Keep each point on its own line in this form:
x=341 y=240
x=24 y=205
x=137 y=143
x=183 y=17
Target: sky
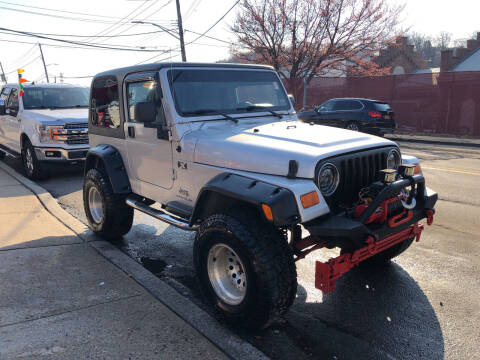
x=113 y=18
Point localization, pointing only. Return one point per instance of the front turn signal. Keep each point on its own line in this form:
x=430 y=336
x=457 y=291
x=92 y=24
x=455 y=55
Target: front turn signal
x=418 y=169
x=267 y=211
x=309 y=199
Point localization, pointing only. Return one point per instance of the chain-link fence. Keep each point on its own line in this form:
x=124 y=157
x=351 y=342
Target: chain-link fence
x=440 y=103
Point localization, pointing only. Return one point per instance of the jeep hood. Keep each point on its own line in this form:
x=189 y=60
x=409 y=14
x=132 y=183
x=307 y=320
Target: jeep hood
x=268 y=148
x=57 y=116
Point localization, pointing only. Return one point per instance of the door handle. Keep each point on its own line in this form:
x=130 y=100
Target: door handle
x=131 y=131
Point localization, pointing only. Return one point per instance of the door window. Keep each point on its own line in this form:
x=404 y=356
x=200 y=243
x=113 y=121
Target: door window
x=4 y=95
x=347 y=105
x=104 y=104
x=141 y=92
x=328 y=106
x=13 y=100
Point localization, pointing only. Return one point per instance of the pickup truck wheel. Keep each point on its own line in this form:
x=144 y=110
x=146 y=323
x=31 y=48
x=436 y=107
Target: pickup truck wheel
x=31 y=165
x=382 y=259
x=106 y=212
x=246 y=269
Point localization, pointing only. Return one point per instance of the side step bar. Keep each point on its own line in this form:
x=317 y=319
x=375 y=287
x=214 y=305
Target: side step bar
x=160 y=215
x=9 y=152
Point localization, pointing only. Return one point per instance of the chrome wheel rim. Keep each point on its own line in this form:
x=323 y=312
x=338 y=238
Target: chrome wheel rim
x=29 y=160
x=227 y=274
x=95 y=204
x=353 y=127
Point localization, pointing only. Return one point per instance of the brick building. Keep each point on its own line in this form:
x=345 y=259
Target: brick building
x=400 y=57
x=462 y=58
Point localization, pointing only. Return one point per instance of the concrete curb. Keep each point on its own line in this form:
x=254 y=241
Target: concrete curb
x=229 y=343
x=433 y=142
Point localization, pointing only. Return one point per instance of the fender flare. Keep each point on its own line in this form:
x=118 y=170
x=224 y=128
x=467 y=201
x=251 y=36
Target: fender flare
x=253 y=192
x=110 y=159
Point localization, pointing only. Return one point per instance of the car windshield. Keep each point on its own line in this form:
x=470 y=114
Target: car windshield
x=55 y=98
x=208 y=92
x=381 y=106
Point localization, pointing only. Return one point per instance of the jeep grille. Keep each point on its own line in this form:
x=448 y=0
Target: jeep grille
x=357 y=171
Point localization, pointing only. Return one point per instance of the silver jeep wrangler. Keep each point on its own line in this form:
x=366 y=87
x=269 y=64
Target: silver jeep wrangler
x=220 y=150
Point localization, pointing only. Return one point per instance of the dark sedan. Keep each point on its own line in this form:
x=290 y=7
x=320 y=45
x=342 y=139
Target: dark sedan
x=371 y=116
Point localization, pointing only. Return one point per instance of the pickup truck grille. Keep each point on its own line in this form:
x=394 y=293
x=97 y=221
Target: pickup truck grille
x=357 y=171
x=77 y=134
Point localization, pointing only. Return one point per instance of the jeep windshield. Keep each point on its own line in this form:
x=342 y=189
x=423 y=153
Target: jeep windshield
x=226 y=92
x=55 y=97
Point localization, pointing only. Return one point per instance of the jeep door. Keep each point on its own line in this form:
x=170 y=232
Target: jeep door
x=148 y=146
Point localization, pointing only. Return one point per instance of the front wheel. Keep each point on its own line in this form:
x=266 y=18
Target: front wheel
x=106 y=212
x=31 y=165
x=246 y=269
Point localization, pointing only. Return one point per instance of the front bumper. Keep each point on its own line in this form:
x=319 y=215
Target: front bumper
x=60 y=155
x=359 y=237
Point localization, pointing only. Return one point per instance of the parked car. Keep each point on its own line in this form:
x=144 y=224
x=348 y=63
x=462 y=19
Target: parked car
x=47 y=125
x=366 y=115
x=220 y=149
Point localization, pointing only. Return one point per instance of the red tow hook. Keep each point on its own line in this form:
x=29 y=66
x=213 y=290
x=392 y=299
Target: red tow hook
x=429 y=214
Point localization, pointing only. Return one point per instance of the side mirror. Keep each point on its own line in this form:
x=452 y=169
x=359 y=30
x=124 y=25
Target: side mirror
x=2 y=107
x=145 y=112
x=292 y=99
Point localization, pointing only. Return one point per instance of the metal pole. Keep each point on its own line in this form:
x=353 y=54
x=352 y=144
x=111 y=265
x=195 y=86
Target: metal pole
x=304 y=93
x=3 y=72
x=44 y=66
x=180 y=31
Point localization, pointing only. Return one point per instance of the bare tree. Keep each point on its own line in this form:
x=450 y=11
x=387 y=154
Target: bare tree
x=443 y=40
x=306 y=38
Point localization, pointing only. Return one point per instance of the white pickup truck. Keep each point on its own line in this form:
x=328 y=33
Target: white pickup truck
x=48 y=124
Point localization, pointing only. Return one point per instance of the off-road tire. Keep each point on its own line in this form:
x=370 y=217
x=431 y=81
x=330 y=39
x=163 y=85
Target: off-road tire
x=268 y=261
x=32 y=167
x=383 y=259
x=117 y=217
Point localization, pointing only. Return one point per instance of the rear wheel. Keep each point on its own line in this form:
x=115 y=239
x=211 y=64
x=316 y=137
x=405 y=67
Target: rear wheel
x=353 y=125
x=246 y=269
x=31 y=165
x=106 y=212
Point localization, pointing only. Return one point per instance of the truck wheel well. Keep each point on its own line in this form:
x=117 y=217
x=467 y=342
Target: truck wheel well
x=212 y=202
x=96 y=162
x=23 y=138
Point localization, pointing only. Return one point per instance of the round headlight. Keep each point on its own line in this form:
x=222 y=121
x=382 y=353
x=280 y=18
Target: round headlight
x=328 y=179
x=393 y=159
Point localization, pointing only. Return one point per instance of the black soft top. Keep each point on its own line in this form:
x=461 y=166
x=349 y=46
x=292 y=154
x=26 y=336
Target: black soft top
x=120 y=73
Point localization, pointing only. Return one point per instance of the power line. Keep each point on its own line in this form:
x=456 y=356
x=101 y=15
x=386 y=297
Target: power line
x=215 y=24
x=210 y=37
x=99 y=36
x=77 y=42
x=23 y=66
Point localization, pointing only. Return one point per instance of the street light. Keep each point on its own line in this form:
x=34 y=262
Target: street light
x=180 y=37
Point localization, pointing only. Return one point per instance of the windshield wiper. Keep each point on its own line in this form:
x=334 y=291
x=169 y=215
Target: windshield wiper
x=211 y=111
x=260 y=107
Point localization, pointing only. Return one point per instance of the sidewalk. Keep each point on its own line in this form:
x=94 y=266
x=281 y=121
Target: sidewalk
x=61 y=299
x=437 y=140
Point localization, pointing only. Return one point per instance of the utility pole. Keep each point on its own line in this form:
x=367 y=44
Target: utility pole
x=4 y=78
x=43 y=60
x=180 y=31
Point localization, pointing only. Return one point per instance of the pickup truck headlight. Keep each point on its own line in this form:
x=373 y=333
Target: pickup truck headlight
x=328 y=179
x=51 y=133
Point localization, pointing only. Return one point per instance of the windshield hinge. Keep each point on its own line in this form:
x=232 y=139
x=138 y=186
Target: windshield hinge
x=174 y=174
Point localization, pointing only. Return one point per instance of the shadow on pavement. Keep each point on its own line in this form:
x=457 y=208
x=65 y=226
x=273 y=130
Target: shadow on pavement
x=384 y=311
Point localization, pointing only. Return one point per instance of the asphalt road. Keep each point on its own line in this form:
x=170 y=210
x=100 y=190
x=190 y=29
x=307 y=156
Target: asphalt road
x=426 y=304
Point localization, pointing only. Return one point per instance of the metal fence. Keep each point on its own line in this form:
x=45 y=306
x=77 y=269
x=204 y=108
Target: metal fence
x=440 y=103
